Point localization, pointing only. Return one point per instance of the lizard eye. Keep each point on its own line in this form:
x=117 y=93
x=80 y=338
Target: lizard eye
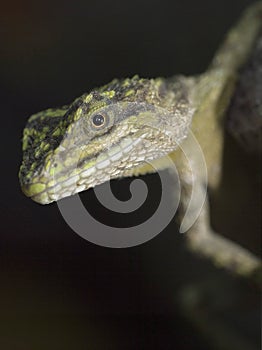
x=98 y=120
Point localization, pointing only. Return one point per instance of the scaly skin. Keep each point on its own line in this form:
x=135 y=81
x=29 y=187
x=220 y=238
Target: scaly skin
x=65 y=153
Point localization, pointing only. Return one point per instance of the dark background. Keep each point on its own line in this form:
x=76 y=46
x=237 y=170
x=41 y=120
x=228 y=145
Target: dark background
x=59 y=291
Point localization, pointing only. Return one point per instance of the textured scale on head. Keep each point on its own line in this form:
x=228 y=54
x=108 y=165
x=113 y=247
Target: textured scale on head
x=116 y=129
x=102 y=135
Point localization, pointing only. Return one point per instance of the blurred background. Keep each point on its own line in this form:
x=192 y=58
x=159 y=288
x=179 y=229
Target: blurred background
x=58 y=291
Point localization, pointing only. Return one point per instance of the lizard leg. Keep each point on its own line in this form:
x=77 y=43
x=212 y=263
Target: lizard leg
x=221 y=251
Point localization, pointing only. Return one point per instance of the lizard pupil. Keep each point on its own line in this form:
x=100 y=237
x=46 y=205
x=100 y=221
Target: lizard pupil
x=98 y=120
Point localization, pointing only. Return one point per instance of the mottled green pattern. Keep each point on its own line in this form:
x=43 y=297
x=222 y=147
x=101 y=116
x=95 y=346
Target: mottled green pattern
x=61 y=144
x=64 y=153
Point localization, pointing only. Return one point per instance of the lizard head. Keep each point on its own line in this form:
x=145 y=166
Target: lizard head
x=102 y=135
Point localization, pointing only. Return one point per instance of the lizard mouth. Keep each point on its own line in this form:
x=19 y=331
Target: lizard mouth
x=108 y=165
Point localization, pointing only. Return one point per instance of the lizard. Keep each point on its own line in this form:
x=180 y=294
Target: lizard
x=115 y=130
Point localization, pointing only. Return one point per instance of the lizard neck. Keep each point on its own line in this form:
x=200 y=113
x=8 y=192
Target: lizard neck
x=212 y=91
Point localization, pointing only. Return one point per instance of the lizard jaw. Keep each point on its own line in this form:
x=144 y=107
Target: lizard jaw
x=47 y=189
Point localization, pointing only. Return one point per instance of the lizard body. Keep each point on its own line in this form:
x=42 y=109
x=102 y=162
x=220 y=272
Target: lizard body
x=65 y=152
x=116 y=129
